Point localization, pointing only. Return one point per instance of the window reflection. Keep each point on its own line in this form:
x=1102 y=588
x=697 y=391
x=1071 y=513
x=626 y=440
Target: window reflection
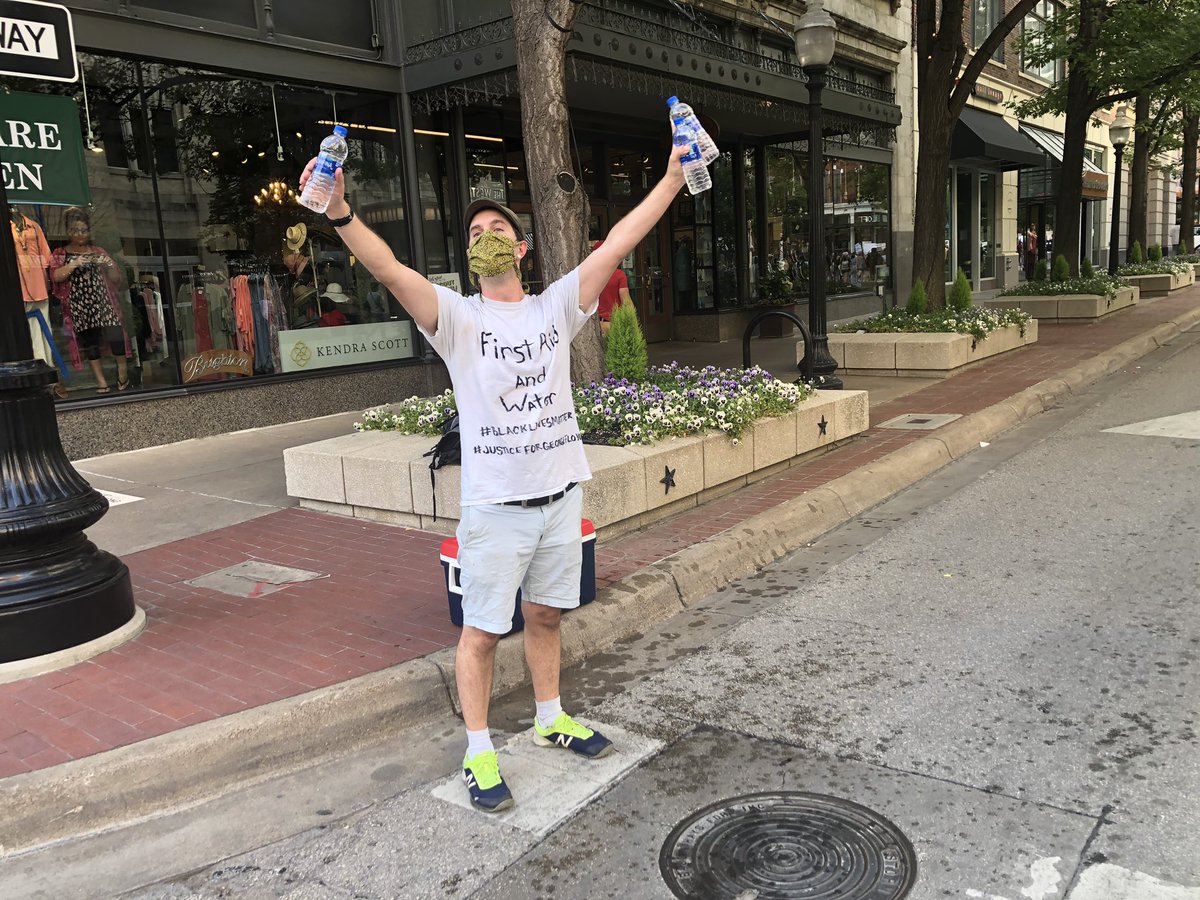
x=213 y=263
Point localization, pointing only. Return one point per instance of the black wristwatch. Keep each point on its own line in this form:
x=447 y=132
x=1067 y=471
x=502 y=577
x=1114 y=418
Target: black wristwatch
x=344 y=220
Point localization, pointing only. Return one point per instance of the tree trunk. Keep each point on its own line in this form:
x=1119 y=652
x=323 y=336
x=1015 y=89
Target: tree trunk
x=1070 y=185
x=933 y=174
x=1187 y=213
x=1138 y=176
x=541 y=31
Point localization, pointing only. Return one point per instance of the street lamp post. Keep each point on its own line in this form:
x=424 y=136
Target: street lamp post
x=1119 y=133
x=57 y=589
x=815 y=37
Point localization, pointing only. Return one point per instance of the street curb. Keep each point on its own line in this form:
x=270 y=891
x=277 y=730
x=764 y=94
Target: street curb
x=202 y=761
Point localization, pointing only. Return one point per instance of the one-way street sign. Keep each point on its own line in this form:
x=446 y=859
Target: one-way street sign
x=37 y=41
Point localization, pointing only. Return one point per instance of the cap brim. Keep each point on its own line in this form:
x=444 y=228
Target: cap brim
x=476 y=206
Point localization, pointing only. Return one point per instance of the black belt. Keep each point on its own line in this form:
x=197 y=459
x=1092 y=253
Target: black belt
x=540 y=501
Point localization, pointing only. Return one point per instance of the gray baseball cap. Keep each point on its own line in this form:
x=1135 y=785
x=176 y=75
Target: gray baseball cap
x=483 y=203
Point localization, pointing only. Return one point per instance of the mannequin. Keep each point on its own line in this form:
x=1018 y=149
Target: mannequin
x=33 y=259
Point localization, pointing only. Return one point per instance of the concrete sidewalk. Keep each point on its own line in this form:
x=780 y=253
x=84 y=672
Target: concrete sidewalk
x=233 y=682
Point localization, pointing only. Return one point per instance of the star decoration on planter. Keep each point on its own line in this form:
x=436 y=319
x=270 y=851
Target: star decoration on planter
x=822 y=425
x=668 y=479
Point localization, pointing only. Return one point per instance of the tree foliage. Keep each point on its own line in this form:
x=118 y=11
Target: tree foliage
x=1115 y=51
x=625 y=354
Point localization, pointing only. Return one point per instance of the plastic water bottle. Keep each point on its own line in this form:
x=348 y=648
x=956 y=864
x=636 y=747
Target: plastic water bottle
x=694 y=170
x=319 y=190
x=682 y=114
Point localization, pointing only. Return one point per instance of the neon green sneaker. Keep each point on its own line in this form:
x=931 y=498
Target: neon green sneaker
x=565 y=732
x=488 y=791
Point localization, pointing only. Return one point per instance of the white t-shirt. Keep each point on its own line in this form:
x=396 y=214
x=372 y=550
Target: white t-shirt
x=511 y=370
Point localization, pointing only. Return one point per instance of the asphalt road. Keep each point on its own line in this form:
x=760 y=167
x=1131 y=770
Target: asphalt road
x=1001 y=661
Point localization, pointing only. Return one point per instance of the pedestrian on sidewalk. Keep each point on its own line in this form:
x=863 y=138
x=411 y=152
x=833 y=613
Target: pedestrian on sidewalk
x=508 y=354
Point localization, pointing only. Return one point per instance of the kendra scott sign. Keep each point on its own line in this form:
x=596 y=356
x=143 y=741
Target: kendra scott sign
x=305 y=349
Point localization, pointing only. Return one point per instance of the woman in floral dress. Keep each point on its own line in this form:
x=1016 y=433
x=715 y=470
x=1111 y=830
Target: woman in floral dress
x=86 y=280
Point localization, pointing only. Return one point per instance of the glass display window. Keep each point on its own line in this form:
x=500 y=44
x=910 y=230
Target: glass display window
x=193 y=261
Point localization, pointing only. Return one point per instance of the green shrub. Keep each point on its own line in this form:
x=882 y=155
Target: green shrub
x=918 y=302
x=1039 y=271
x=960 y=293
x=1155 y=253
x=1086 y=269
x=1062 y=269
x=1135 y=254
x=625 y=353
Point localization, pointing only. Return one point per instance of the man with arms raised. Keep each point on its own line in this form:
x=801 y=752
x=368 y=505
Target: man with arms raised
x=508 y=354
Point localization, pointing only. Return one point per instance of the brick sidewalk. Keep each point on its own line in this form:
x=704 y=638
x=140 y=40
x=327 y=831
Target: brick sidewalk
x=205 y=654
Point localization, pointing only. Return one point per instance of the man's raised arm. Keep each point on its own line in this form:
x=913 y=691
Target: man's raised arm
x=596 y=269
x=411 y=288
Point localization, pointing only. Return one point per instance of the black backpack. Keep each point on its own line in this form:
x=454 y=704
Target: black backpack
x=446 y=452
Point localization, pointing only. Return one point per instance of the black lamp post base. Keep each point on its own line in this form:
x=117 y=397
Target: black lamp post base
x=827 y=382
x=57 y=589
x=54 y=619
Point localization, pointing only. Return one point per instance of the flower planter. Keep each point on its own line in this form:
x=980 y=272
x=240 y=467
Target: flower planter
x=385 y=477
x=1162 y=285
x=1068 y=307
x=924 y=355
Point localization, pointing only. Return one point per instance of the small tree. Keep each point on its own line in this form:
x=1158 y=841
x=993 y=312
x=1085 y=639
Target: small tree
x=625 y=355
x=1086 y=269
x=1156 y=253
x=1062 y=269
x=918 y=302
x=960 y=293
x=1039 y=271
x=1135 y=254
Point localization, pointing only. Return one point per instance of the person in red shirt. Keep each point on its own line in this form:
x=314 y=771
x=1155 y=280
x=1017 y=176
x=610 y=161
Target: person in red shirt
x=331 y=316
x=614 y=294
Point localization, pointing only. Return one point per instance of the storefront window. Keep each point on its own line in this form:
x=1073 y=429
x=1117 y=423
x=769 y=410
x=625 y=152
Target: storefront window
x=751 y=217
x=726 y=228
x=964 y=194
x=857 y=221
x=987 y=225
x=193 y=261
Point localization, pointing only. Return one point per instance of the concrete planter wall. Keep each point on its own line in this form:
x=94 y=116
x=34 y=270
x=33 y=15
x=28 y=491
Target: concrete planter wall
x=926 y=355
x=1161 y=285
x=1068 y=307
x=385 y=476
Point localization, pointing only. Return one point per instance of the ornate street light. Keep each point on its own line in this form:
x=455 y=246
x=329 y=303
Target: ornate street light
x=1119 y=133
x=815 y=37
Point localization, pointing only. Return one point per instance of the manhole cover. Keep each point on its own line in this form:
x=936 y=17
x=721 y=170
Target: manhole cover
x=921 y=421
x=784 y=845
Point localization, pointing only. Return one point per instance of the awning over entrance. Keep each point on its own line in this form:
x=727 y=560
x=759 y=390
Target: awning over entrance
x=1095 y=179
x=987 y=139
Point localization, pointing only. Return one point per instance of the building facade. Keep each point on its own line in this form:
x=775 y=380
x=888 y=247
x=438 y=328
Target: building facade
x=1005 y=169
x=205 y=299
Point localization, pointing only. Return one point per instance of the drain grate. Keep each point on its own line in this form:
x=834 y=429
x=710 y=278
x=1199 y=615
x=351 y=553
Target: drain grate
x=787 y=844
x=921 y=421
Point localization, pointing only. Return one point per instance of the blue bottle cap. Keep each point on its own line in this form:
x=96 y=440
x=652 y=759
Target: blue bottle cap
x=339 y=130
x=671 y=101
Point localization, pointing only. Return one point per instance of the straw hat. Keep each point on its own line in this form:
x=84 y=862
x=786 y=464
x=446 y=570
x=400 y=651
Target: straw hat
x=296 y=236
x=334 y=292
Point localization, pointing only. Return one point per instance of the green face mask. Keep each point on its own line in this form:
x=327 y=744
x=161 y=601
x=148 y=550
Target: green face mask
x=492 y=254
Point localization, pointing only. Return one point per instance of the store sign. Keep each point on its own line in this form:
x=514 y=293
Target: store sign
x=217 y=362
x=305 y=349
x=1095 y=185
x=37 y=41
x=446 y=279
x=990 y=94
x=41 y=150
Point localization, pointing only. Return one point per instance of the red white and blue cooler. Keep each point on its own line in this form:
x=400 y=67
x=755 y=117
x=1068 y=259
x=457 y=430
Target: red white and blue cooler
x=587 y=576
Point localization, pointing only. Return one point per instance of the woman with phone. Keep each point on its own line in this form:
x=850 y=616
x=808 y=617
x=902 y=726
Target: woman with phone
x=86 y=280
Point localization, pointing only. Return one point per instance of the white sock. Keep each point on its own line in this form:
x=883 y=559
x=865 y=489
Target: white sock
x=479 y=741
x=548 y=710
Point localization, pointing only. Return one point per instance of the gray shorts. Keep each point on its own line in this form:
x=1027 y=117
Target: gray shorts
x=502 y=548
